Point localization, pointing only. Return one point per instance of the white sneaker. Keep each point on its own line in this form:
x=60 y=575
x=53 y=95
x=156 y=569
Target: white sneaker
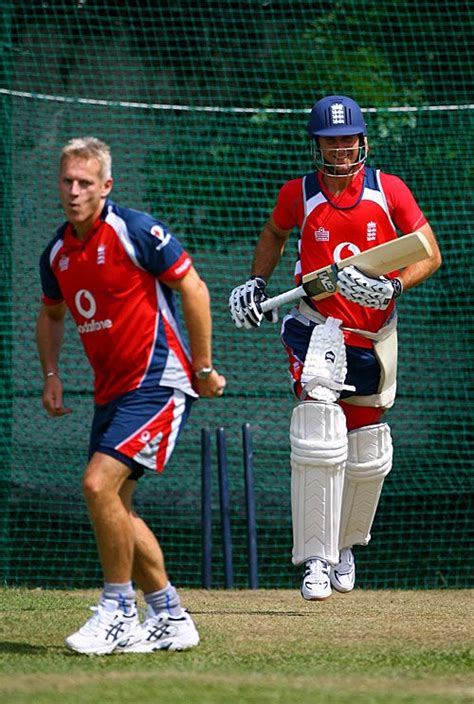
x=316 y=583
x=104 y=630
x=343 y=574
x=164 y=632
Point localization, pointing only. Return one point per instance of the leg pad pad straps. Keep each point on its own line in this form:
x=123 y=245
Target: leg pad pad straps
x=318 y=439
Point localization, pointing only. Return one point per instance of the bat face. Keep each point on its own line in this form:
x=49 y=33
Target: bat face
x=375 y=261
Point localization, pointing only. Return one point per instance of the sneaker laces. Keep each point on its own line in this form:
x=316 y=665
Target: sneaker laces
x=101 y=615
x=152 y=618
x=94 y=621
x=346 y=561
x=316 y=571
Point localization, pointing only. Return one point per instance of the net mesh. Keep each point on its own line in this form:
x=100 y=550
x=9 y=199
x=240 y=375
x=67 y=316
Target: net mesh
x=204 y=106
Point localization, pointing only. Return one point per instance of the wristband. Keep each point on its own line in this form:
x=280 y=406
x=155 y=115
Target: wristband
x=397 y=287
x=51 y=374
x=204 y=372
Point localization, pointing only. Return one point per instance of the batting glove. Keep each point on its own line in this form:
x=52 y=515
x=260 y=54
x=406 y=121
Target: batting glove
x=245 y=304
x=368 y=291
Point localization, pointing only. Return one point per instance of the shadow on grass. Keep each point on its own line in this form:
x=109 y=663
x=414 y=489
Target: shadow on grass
x=25 y=648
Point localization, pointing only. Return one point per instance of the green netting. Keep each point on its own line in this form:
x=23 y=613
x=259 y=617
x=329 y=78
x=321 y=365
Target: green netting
x=204 y=105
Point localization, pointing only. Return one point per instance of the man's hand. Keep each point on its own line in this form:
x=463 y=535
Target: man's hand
x=245 y=304
x=212 y=386
x=53 y=397
x=368 y=291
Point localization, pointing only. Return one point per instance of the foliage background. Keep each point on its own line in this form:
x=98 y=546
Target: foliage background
x=205 y=107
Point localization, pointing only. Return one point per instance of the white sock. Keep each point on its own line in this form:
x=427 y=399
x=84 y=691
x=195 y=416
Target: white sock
x=122 y=595
x=166 y=600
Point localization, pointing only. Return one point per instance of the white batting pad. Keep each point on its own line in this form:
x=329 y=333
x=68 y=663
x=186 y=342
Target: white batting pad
x=318 y=439
x=325 y=365
x=369 y=460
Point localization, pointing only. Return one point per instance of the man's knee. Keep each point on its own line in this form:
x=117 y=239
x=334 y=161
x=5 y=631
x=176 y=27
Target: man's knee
x=104 y=476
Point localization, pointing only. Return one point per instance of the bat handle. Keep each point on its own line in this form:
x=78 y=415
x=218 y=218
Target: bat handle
x=280 y=300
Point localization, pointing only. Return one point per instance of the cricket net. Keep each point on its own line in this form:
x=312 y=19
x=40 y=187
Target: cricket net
x=205 y=106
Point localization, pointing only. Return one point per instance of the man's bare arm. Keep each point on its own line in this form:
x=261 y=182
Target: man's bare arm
x=49 y=339
x=196 y=307
x=414 y=274
x=269 y=249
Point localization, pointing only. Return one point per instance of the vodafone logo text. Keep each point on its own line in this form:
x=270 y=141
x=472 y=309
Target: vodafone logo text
x=94 y=326
x=87 y=307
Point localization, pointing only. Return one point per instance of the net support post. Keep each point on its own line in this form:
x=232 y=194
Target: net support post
x=6 y=302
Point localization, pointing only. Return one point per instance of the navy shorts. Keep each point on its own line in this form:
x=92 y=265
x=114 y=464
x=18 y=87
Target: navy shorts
x=140 y=428
x=363 y=369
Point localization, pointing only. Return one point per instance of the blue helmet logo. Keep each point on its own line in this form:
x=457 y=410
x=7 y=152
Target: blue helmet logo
x=336 y=115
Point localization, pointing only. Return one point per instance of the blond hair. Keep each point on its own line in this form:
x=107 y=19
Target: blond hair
x=90 y=148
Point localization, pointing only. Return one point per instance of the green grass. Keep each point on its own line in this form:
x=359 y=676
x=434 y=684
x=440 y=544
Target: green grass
x=367 y=647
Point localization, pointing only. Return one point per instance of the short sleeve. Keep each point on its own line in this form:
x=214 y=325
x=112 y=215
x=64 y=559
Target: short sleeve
x=404 y=210
x=51 y=291
x=157 y=250
x=288 y=211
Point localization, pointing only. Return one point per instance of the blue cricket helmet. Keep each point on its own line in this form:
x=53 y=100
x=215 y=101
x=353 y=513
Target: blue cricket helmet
x=336 y=115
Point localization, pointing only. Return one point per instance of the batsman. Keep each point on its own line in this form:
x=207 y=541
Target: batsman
x=342 y=350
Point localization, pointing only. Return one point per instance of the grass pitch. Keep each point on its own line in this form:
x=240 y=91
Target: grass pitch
x=257 y=647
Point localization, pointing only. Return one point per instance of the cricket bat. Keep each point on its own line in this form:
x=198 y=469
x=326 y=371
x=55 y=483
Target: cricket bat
x=379 y=260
